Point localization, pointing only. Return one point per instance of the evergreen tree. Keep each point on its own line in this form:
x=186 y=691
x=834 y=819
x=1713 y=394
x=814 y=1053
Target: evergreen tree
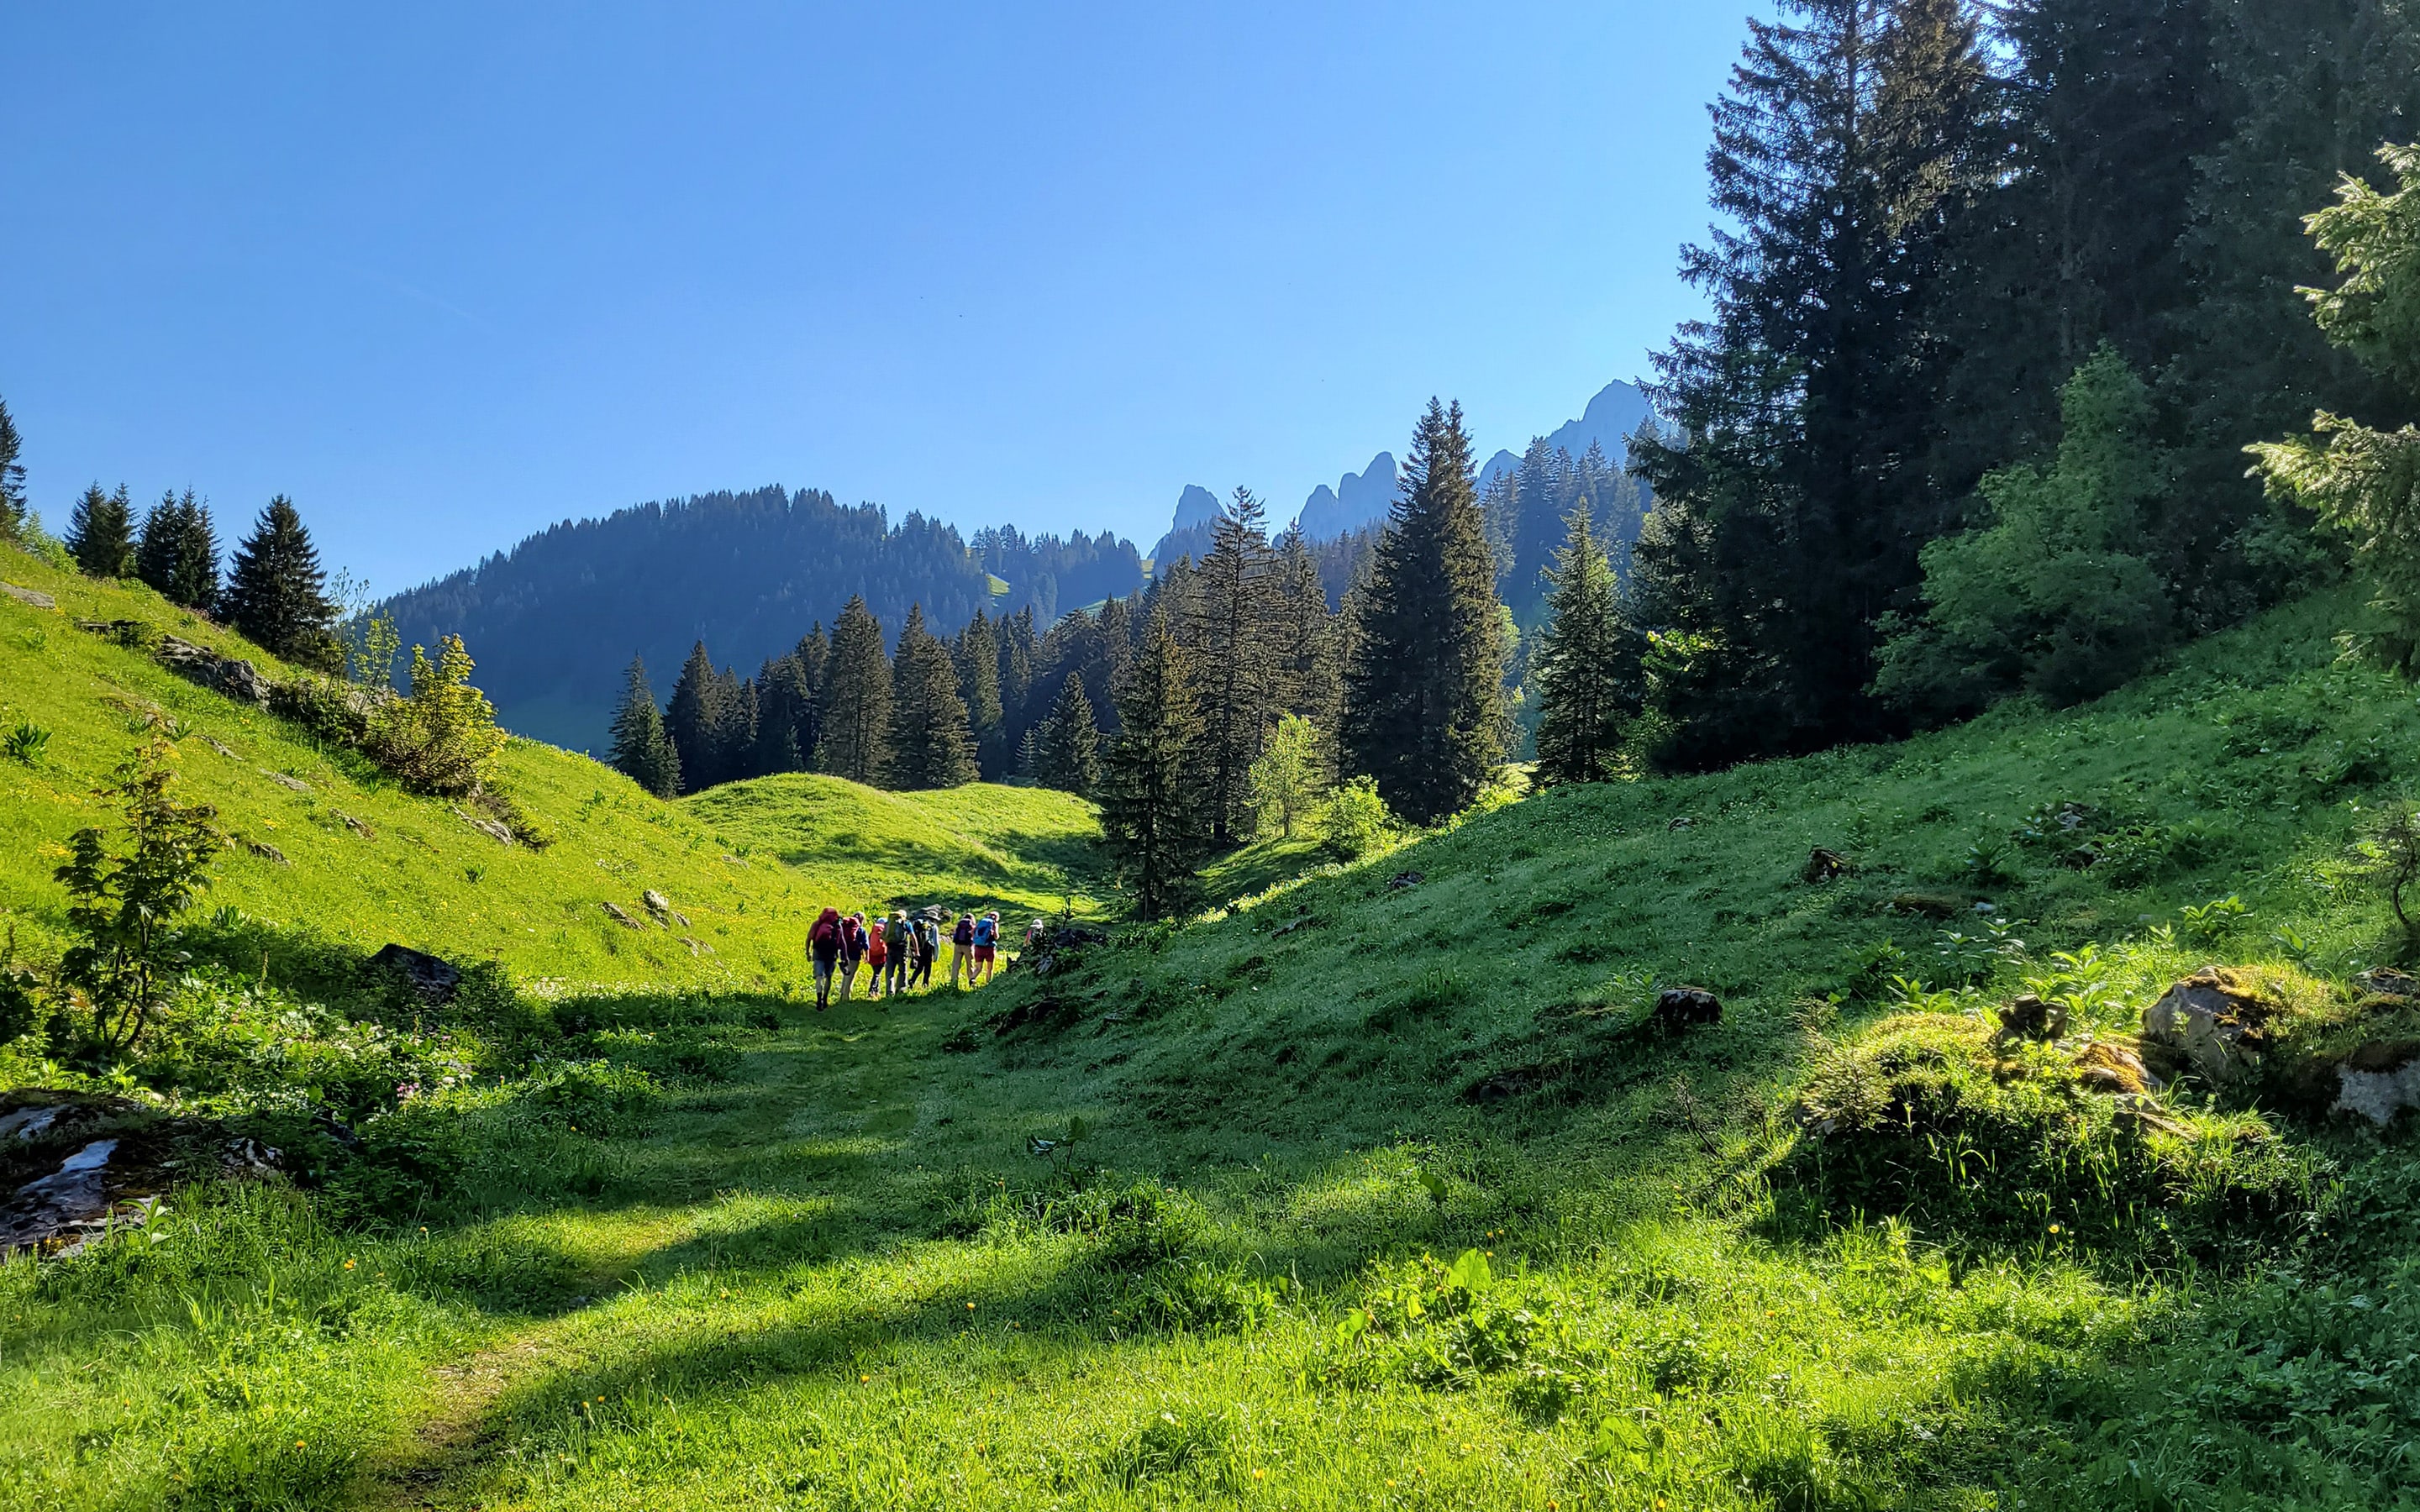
x=100 y=533
x=178 y=555
x=735 y=734
x=976 y=655
x=1069 y=755
x=785 y=718
x=1307 y=651
x=696 y=720
x=277 y=593
x=643 y=751
x=857 y=700
x=1151 y=785
x=2365 y=482
x=930 y=744
x=12 y=477
x=814 y=657
x=1425 y=710
x=1586 y=665
x=1231 y=637
x=1848 y=149
x=1029 y=758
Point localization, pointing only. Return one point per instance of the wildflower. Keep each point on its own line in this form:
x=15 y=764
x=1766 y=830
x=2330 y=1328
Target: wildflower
x=861 y=1381
x=2054 y=1228
x=349 y=1265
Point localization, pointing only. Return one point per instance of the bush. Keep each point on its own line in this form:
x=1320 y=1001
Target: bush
x=1354 y=821
x=442 y=738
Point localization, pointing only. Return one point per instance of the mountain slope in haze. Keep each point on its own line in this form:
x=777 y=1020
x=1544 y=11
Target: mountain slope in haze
x=555 y=622
x=1188 y=531
x=1609 y=422
x=1359 y=500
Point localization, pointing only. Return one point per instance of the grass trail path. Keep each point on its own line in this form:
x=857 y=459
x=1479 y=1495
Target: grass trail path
x=768 y=1133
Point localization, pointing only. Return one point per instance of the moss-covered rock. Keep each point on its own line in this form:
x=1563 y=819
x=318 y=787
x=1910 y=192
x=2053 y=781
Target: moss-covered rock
x=1939 y=1120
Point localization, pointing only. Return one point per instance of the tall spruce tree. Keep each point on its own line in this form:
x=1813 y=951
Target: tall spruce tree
x=277 y=593
x=12 y=477
x=178 y=555
x=1307 y=651
x=696 y=720
x=976 y=653
x=642 y=750
x=1848 y=149
x=1425 y=708
x=1586 y=665
x=1151 y=784
x=1230 y=633
x=100 y=533
x=785 y=718
x=857 y=700
x=930 y=744
x=1069 y=756
x=814 y=657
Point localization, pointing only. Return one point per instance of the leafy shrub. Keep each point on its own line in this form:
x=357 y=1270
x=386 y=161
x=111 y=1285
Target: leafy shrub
x=1354 y=821
x=2054 y=596
x=441 y=737
x=1194 y=1296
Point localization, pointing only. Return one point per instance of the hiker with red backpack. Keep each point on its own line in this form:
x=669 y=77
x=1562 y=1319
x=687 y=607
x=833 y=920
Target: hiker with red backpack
x=877 y=958
x=823 y=950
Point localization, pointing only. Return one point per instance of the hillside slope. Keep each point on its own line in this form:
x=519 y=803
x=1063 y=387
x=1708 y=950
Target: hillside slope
x=747 y=868
x=1375 y=1190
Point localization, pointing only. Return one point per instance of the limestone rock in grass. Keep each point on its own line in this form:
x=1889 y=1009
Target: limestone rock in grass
x=2030 y=1018
x=262 y=849
x=433 y=977
x=1823 y=866
x=221 y=749
x=1057 y=947
x=292 y=784
x=1404 y=879
x=1679 y=1009
x=34 y=597
x=230 y=675
x=66 y=1205
x=2377 y=1095
x=2385 y=981
x=662 y=908
x=613 y=911
x=2214 y=1022
x=491 y=828
x=358 y=827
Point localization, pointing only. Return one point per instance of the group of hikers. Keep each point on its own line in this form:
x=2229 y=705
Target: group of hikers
x=900 y=952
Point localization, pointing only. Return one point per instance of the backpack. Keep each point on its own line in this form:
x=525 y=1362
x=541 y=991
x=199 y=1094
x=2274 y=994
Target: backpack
x=825 y=933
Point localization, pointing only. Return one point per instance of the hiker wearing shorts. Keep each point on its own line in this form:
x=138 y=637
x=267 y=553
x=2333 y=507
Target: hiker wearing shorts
x=962 y=945
x=823 y=950
x=986 y=946
x=903 y=952
x=852 y=950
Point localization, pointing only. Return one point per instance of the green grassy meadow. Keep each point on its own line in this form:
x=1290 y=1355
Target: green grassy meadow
x=1363 y=1195
x=748 y=877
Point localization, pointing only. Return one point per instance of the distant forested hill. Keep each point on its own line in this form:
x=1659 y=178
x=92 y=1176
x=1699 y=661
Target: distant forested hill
x=555 y=621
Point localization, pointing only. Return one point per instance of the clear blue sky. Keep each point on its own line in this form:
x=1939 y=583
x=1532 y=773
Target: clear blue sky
x=448 y=272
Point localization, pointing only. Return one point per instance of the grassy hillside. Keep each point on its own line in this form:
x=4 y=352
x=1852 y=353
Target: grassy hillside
x=1378 y=1195
x=747 y=865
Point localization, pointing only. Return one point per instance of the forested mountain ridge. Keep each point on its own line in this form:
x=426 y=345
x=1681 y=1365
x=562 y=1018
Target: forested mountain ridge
x=557 y=620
